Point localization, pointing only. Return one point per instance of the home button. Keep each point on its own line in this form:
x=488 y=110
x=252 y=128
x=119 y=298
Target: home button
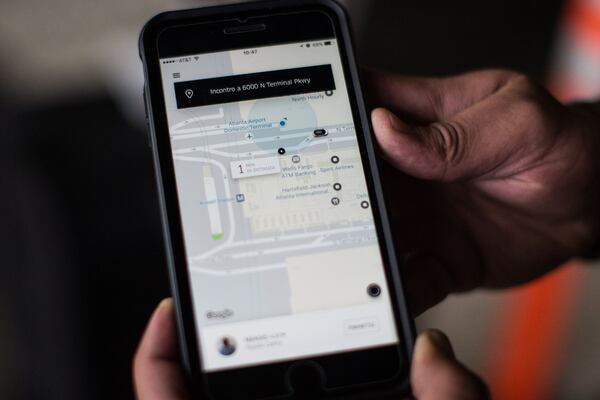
x=305 y=378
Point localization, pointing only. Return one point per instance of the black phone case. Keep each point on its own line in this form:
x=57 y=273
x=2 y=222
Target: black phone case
x=178 y=282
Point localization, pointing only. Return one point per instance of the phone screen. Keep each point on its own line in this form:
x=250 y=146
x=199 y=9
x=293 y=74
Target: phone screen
x=280 y=238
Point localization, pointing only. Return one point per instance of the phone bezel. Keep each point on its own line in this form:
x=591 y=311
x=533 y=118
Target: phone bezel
x=172 y=230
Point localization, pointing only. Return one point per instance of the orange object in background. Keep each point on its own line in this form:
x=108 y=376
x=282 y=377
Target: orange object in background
x=575 y=72
x=529 y=336
x=532 y=327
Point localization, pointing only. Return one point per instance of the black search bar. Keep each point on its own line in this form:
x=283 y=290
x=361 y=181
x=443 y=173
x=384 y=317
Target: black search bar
x=260 y=85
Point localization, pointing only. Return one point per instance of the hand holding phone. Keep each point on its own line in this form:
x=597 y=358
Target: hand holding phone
x=436 y=374
x=479 y=201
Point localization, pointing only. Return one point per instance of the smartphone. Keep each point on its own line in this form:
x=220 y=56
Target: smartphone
x=280 y=254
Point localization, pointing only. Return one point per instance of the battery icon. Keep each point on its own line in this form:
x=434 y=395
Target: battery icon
x=328 y=43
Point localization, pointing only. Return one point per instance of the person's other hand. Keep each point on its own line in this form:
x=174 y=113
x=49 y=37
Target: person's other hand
x=494 y=182
x=158 y=375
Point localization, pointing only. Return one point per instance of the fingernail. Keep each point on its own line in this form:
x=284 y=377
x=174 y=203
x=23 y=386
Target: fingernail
x=433 y=343
x=165 y=303
x=394 y=121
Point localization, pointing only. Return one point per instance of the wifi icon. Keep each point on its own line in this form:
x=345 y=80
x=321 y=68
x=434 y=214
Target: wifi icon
x=196 y=58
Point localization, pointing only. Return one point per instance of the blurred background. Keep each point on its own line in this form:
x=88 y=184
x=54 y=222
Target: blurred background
x=81 y=258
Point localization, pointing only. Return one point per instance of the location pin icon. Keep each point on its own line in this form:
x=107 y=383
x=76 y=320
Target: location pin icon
x=189 y=93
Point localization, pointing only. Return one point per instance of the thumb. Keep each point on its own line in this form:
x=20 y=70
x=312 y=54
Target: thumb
x=447 y=150
x=436 y=374
x=436 y=151
x=157 y=372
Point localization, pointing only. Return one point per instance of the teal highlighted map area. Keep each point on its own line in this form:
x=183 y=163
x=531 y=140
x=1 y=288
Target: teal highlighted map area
x=291 y=119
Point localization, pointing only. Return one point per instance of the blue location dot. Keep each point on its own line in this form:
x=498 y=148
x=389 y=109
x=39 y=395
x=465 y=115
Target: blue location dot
x=283 y=121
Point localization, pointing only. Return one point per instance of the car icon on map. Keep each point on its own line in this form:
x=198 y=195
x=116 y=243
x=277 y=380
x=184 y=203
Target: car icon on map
x=320 y=132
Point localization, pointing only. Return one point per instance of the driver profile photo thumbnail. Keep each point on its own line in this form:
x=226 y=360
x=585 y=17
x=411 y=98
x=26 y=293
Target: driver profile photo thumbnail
x=227 y=345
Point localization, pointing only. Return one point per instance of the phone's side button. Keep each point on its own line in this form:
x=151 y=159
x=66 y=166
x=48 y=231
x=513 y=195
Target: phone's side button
x=148 y=135
x=145 y=102
x=305 y=378
x=147 y=120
